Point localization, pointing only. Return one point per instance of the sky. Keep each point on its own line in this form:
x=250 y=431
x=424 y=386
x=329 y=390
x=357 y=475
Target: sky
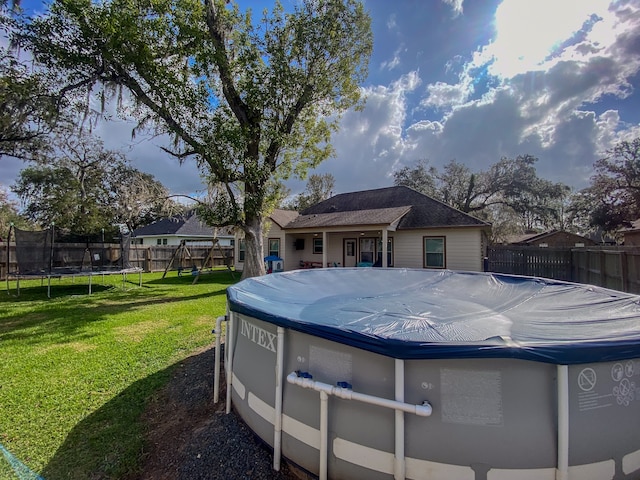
x=470 y=80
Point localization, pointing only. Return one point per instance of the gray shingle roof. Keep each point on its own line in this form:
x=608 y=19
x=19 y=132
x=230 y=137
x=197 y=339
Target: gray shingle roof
x=187 y=225
x=380 y=216
x=424 y=211
x=283 y=217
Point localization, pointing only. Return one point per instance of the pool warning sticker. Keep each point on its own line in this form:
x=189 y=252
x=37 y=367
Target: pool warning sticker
x=587 y=379
x=625 y=389
x=613 y=385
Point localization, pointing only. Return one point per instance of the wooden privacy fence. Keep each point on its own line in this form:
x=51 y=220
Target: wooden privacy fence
x=611 y=267
x=151 y=258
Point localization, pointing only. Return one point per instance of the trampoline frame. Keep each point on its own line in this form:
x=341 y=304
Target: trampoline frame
x=49 y=271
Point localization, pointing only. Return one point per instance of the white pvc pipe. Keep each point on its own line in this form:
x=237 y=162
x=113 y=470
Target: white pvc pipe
x=277 y=424
x=562 y=471
x=423 y=410
x=216 y=353
x=324 y=434
x=229 y=363
x=399 y=462
x=325 y=390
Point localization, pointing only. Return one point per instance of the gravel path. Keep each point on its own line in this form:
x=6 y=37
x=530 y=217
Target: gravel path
x=190 y=438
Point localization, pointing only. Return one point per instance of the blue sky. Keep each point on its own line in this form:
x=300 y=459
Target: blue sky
x=470 y=80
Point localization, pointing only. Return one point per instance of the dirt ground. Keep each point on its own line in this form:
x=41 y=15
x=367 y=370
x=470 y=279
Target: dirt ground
x=189 y=437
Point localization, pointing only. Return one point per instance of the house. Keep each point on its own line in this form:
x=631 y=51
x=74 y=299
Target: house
x=552 y=238
x=351 y=229
x=631 y=235
x=171 y=231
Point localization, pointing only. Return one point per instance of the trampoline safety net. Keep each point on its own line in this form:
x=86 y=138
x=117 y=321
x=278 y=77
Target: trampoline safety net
x=33 y=251
x=37 y=253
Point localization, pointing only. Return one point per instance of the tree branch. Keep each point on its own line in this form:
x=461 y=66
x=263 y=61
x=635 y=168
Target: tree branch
x=221 y=58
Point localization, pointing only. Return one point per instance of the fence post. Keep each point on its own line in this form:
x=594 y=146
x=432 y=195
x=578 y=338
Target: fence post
x=147 y=259
x=4 y=257
x=624 y=271
x=603 y=269
x=577 y=256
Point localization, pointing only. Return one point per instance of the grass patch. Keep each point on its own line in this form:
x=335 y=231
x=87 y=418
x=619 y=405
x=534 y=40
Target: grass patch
x=77 y=370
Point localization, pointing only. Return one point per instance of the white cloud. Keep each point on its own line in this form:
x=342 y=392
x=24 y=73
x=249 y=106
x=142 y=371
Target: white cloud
x=392 y=24
x=395 y=61
x=531 y=34
x=373 y=143
x=537 y=107
x=456 y=5
x=443 y=96
x=370 y=143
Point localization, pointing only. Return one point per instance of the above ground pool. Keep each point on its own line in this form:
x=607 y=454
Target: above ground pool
x=371 y=373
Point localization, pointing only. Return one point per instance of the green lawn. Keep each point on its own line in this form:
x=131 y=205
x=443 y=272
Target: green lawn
x=76 y=370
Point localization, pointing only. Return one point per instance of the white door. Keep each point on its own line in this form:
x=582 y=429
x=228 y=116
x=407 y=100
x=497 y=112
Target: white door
x=349 y=252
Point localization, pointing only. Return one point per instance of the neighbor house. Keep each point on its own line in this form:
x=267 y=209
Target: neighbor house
x=187 y=227
x=552 y=239
x=631 y=235
x=355 y=229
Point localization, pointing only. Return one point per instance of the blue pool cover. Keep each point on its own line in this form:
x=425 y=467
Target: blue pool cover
x=422 y=314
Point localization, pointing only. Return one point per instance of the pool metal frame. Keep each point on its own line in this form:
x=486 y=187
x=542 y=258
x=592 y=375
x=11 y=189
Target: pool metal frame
x=562 y=471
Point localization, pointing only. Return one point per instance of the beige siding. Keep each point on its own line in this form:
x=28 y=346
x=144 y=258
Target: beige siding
x=463 y=248
x=286 y=251
x=237 y=264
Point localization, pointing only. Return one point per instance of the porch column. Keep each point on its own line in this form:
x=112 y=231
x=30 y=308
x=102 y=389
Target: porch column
x=385 y=239
x=325 y=247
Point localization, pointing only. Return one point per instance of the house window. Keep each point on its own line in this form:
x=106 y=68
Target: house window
x=434 y=252
x=241 y=250
x=274 y=247
x=317 y=245
x=161 y=241
x=367 y=250
x=164 y=241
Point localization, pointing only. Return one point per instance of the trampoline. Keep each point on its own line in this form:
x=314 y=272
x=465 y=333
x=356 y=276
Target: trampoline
x=38 y=256
x=437 y=375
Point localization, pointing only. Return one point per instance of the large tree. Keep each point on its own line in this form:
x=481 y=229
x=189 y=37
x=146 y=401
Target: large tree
x=319 y=188
x=85 y=188
x=612 y=201
x=137 y=198
x=28 y=110
x=252 y=101
x=510 y=187
x=420 y=177
x=9 y=214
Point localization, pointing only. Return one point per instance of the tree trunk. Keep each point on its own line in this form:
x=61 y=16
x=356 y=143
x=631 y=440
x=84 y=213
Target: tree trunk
x=254 y=248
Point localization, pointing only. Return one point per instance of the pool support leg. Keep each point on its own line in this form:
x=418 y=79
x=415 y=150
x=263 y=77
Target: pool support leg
x=229 y=361
x=277 y=424
x=324 y=434
x=216 y=370
x=562 y=471
x=399 y=463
